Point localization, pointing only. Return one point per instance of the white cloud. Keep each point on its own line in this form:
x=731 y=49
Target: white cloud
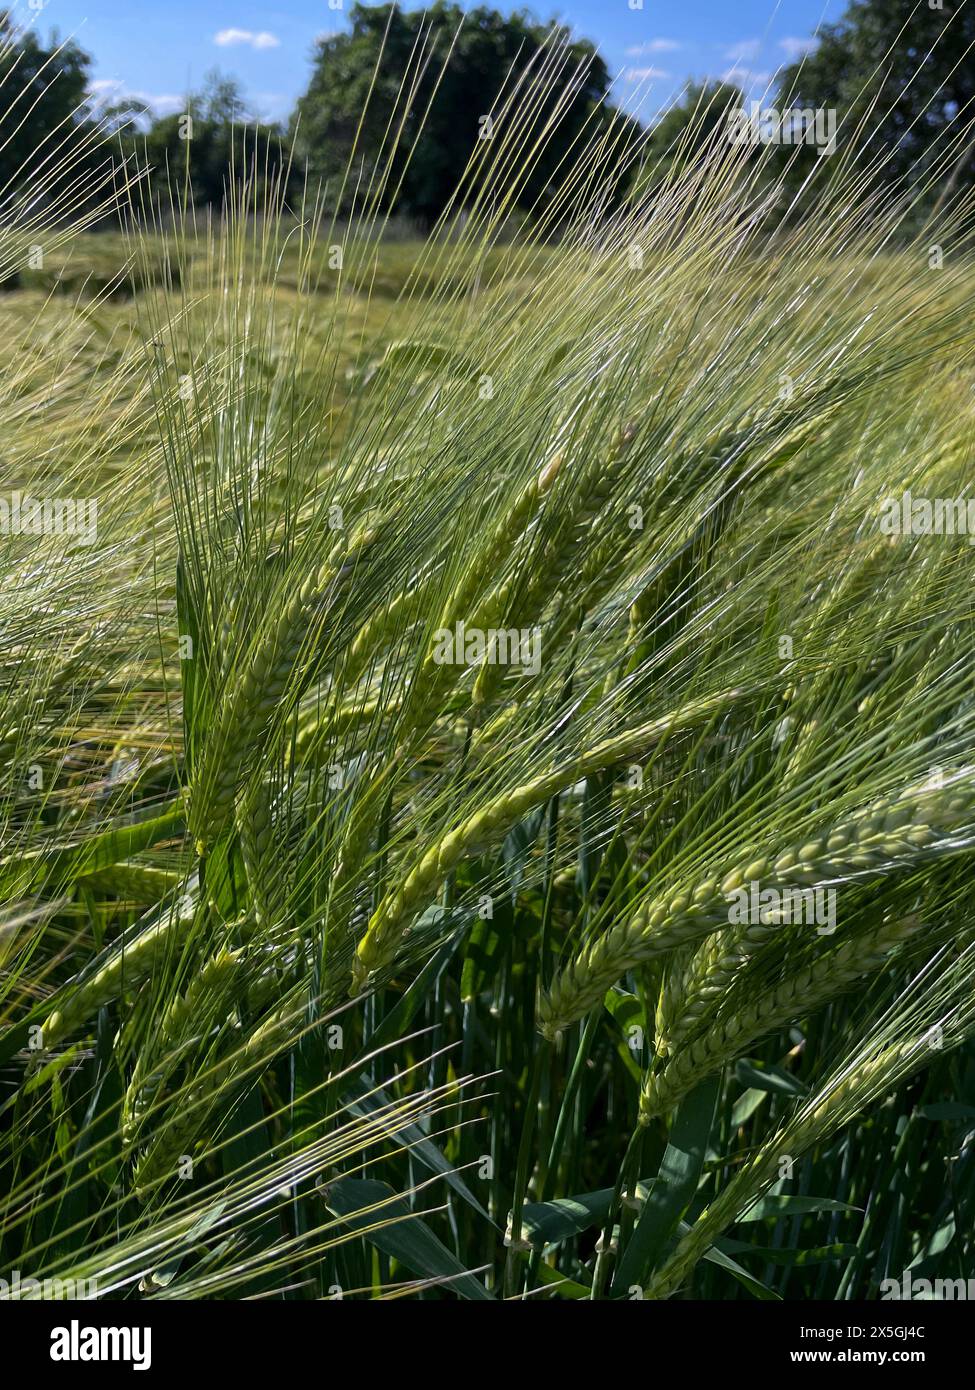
x=163 y=105
x=105 y=89
x=796 y=48
x=644 y=74
x=745 y=51
x=653 y=46
x=259 y=39
x=108 y=90
x=746 y=77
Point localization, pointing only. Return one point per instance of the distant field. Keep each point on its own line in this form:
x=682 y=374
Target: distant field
x=111 y=284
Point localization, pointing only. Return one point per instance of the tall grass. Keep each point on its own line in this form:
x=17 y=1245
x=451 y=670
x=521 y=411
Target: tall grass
x=332 y=967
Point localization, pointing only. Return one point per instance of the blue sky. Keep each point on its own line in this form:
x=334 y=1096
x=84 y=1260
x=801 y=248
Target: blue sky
x=157 y=49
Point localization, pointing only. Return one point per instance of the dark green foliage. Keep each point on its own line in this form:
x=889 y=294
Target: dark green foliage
x=487 y=52
x=909 y=73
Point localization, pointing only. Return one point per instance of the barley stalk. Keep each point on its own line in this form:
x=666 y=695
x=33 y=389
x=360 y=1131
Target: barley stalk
x=378 y=947
x=891 y=832
x=128 y=965
x=796 y=995
x=259 y=692
x=847 y=1096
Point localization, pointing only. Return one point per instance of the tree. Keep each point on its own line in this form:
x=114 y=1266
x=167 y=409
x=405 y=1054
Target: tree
x=916 y=63
x=687 y=128
x=43 y=117
x=217 y=141
x=435 y=145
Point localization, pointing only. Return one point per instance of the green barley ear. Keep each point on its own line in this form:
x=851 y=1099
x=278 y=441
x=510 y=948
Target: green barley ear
x=937 y=1010
x=257 y=694
x=127 y=879
x=256 y=830
x=711 y=973
x=126 y=964
x=521 y=602
x=893 y=832
x=796 y=995
x=467 y=602
x=207 y=1000
x=188 y=1121
x=488 y=826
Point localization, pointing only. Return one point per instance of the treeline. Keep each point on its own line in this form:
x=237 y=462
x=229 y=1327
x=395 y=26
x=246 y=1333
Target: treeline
x=903 y=78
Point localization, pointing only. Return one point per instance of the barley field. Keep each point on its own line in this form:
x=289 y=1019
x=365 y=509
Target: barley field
x=487 y=741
